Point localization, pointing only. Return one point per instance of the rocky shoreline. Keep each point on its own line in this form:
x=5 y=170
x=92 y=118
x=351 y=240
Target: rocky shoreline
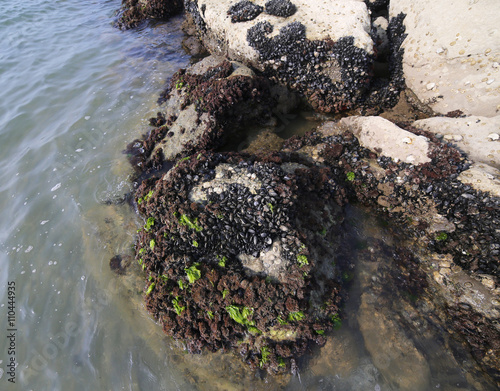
x=236 y=244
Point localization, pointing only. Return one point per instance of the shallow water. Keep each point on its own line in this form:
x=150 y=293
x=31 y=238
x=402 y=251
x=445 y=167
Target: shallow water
x=74 y=91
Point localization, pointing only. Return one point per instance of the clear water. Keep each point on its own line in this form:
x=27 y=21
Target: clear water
x=73 y=92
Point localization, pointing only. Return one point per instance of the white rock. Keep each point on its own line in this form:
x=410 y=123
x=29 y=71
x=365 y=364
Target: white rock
x=322 y=19
x=387 y=139
x=452 y=42
x=473 y=135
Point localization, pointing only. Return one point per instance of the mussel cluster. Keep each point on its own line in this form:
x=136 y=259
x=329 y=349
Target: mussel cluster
x=208 y=222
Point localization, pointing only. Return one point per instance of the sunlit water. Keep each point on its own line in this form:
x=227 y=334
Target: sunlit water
x=73 y=92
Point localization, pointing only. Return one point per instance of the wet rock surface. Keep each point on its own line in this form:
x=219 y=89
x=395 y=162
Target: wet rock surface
x=134 y=12
x=234 y=261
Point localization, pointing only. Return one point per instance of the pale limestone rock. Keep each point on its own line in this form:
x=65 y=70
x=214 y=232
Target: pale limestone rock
x=474 y=135
x=453 y=46
x=323 y=19
x=482 y=177
x=387 y=139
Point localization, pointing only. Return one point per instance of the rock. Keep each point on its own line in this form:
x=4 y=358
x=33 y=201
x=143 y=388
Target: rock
x=483 y=178
x=203 y=104
x=387 y=139
x=224 y=271
x=323 y=50
x=134 y=12
x=474 y=135
x=451 y=54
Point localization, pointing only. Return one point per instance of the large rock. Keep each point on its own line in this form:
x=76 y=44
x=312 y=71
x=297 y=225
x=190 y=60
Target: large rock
x=381 y=135
x=203 y=105
x=452 y=54
x=239 y=253
x=323 y=50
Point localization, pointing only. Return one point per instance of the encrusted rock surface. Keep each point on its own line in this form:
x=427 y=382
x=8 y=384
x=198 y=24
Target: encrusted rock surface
x=234 y=257
x=239 y=248
x=324 y=50
x=452 y=54
x=204 y=104
x=134 y=12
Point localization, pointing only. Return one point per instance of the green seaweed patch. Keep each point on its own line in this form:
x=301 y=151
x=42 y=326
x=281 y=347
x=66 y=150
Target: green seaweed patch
x=264 y=354
x=145 y=198
x=281 y=362
x=150 y=289
x=181 y=284
x=152 y=244
x=224 y=293
x=441 y=237
x=222 y=261
x=281 y=321
x=254 y=330
x=337 y=322
x=177 y=307
x=302 y=260
x=350 y=176
x=296 y=316
x=182 y=160
x=192 y=224
x=210 y=314
x=193 y=273
x=195 y=244
x=149 y=223
x=240 y=315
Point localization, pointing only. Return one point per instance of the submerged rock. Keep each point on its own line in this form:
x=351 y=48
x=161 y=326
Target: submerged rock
x=239 y=254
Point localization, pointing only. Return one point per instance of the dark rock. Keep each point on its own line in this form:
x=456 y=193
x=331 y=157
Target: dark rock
x=220 y=217
x=133 y=12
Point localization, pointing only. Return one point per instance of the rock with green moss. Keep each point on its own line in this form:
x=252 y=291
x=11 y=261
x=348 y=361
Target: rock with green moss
x=238 y=260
